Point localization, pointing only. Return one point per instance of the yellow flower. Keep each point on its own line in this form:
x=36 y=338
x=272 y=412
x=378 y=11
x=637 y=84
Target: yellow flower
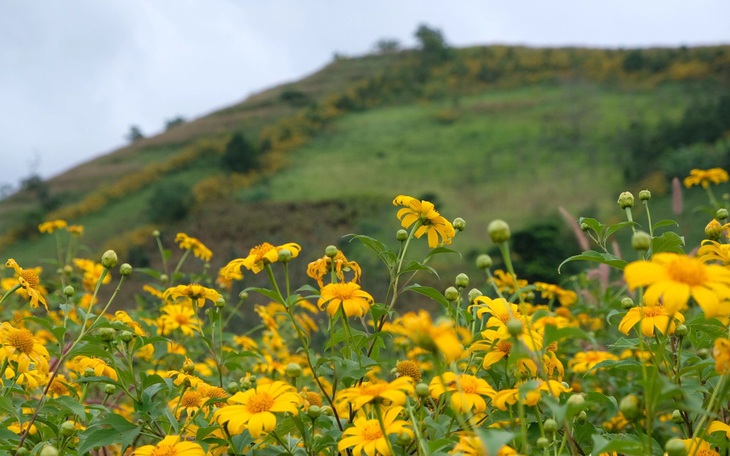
x=705 y=176
x=153 y=291
x=366 y=435
x=721 y=353
x=59 y=387
x=190 y=243
x=190 y=402
x=551 y=292
x=254 y=409
x=258 y=257
x=340 y=264
x=170 y=446
x=719 y=426
x=408 y=368
x=504 y=398
x=178 y=316
x=442 y=338
x=673 y=278
x=699 y=447
x=348 y=296
x=19 y=346
x=393 y=393
x=467 y=391
x=92 y=272
x=194 y=292
x=651 y=318
x=506 y=283
x=51 y=226
x=711 y=250
x=76 y=230
x=31 y=283
x=471 y=445
x=80 y=364
x=584 y=361
x=440 y=231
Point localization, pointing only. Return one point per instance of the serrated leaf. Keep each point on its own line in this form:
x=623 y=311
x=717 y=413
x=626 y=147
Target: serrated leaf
x=112 y=429
x=597 y=257
x=668 y=242
x=429 y=292
x=614 y=228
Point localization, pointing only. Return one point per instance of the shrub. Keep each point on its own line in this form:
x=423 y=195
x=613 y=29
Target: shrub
x=170 y=202
x=240 y=155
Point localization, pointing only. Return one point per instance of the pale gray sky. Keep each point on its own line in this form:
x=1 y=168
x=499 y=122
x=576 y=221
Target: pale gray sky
x=75 y=74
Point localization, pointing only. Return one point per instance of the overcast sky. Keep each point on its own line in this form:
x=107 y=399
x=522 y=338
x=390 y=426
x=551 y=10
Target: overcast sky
x=75 y=74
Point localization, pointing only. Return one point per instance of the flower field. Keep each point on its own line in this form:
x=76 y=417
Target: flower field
x=631 y=356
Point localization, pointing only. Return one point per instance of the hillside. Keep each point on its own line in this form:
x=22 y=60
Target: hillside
x=498 y=132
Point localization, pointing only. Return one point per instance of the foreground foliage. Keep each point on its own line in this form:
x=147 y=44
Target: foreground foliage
x=630 y=357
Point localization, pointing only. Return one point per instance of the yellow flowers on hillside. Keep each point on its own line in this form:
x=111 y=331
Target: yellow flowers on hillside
x=427 y=220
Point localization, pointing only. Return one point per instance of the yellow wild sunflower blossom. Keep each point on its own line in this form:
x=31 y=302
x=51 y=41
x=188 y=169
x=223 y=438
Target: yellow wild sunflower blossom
x=199 y=249
x=714 y=251
x=721 y=353
x=52 y=225
x=651 y=318
x=176 y=316
x=21 y=347
x=367 y=436
x=385 y=393
x=585 y=361
x=30 y=283
x=705 y=177
x=506 y=282
x=441 y=338
x=171 y=445
x=552 y=292
x=226 y=281
x=699 y=447
x=92 y=271
x=467 y=392
x=503 y=399
x=439 y=230
x=194 y=292
x=347 y=296
x=75 y=230
x=190 y=402
x=59 y=387
x=80 y=365
x=671 y=278
x=258 y=257
x=254 y=409
x=472 y=445
x=339 y=264
x=719 y=426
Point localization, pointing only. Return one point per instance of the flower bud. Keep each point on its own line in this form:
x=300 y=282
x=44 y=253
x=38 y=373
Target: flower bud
x=629 y=407
x=542 y=442
x=550 y=425
x=233 y=388
x=330 y=251
x=575 y=403
x=164 y=278
x=677 y=417
x=627 y=303
x=293 y=370
x=125 y=269
x=220 y=302
x=126 y=336
x=451 y=294
x=284 y=255
x=156 y=233
x=69 y=291
x=721 y=214
x=703 y=353
x=89 y=372
x=626 y=199
x=644 y=195
x=681 y=330
x=498 y=231
x=484 y=261
x=473 y=294
x=581 y=417
x=459 y=224
x=49 y=450
x=22 y=451
x=327 y=410
x=714 y=230
x=243 y=295
x=109 y=259
x=422 y=390
x=109 y=389
x=641 y=241
x=107 y=334
x=68 y=428
x=462 y=280
x=515 y=327
x=314 y=411
x=401 y=235
x=675 y=447
x=584 y=226
x=404 y=439
x=188 y=366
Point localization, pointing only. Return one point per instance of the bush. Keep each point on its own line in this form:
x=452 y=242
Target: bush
x=169 y=203
x=240 y=155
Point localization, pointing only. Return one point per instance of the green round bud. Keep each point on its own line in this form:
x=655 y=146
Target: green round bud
x=49 y=450
x=462 y=280
x=233 y=388
x=401 y=235
x=314 y=411
x=246 y=383
x=69 y=291
x=126 y=336
x=515 y=327
x=107 y=334
x=473 y=294
x=530 y=296
x=164 y=278
x=422 y=390
x=68 y=269
x=285 y=255
x=584 y=226
x=626 y=199
x=581 y=417
x=550 y=425
x=330 y=251
x=484 y=261
x=451 y=294
x=641 y=241
x=22 y=451
x=629 y=407
x=125 y=269
x=89 y=372
x=459 y=224
x=644 y=195
x=627 y=303
x=220 y=302
x=542 y=442
x=68 y=428
x=109 y=259
x=243 y=295
x=110 y=389
x=681 y=330
x=675 y=447
x=156 y=233
x=703 y=353
x=404 y=439
x=575 y=403
x=721 y=214
x=293 y=370
x=498 y=231
x=677 y=417
x=327 y=410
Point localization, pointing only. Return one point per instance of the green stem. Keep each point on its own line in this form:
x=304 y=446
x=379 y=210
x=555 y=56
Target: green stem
x=10 y=292
x=179 y=265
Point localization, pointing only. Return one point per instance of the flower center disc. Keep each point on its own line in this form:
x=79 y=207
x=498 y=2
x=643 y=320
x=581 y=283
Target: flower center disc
x=22 y=339
x=687 y=270
x=260 y=402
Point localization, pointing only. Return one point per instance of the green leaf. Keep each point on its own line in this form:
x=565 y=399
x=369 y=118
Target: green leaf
x=382 y=250
x=440 y=250
x=593 y=224
x=274 y=296
x=597 y=257
x=620 y=443
x=415 y=266
x=614 y=228
x=66 y=403
x=112 y=429
x=663 y=223
x=668 y=242
x=6 y=405
x=429 y=292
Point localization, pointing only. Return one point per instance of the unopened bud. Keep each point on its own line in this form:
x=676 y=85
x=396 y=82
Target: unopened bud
x=68 y=428
x=627 y=303
x=220 y=302
x=126 y=336
x=401 y=235
x=109 y=389
x=498 y=231
x=681 y=330
x=69 y=291
x=459 y=224
x=188 y=366
x=125 y=269
x=107 y=334
x=233 y=387
x=89 y=372
x=484 y=261
x=314 y=411
x=284 y=255
x=641 y=241
x=626 y=199
x=575 y=403
x=542 y=442
x=676 y=447
x=293 y=370
x=721 y=214
x=473 y=294
x=422 y=390
x=644 y=195
x=629 y=407
x=714 y=230
x=677 y=417
x=330 y=251
x=451 y=294
x=164 y=278
x=156 y=233
x=109 y=259
x=550 y=425
x=514 y=327
x=49 y=450
x=243 y=295
x=462 y=280
x=404 y=439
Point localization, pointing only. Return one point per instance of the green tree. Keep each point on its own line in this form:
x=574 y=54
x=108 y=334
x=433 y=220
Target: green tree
x=170 y=202
x=434 y=49
x=240 y=155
